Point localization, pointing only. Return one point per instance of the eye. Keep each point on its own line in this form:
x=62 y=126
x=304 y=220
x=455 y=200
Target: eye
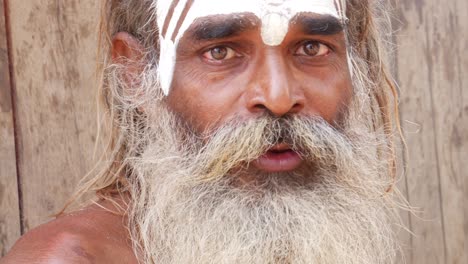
x=313 y=49
x=219 y=53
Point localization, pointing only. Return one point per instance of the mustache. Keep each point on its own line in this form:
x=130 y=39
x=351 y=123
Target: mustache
x=238 y=143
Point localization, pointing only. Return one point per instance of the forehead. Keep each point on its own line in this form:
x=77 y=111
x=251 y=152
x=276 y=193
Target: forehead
x=201 y=8
x=176 y=16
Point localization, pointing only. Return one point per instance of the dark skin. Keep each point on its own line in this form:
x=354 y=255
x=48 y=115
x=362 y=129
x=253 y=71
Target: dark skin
x=91 y=235
x=221 y=73
x=239 y=76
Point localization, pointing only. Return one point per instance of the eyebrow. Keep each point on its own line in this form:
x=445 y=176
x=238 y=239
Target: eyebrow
x=323 y=25
x=219 y=27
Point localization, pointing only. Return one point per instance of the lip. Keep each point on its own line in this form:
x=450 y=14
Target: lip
x=279 y=158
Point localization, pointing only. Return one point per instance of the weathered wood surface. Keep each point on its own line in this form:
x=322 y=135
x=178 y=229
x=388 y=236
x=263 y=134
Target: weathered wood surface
x=53 y=51
x=53 y=44
x=432 y=70
x=9 y=212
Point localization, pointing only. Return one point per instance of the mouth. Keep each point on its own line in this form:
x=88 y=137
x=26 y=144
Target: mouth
x=279 y=158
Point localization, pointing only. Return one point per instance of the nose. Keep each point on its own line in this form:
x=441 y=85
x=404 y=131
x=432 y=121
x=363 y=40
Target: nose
x=274 y=88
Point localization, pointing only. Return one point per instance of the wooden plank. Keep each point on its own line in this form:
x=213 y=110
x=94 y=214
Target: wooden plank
x=446 y=32
x=9 y=213
x=54 y=44
x=432 y=73
x=415 y=77
x=403 y=235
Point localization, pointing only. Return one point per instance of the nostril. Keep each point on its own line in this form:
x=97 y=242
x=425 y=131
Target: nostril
x=260 y=107
x=297 y=107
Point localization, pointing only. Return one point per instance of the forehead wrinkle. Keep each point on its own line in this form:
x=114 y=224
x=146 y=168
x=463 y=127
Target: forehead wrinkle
x=221 y=26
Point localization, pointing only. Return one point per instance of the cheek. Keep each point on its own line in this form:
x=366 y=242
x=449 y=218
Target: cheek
x=204 y=100
x=328 y=93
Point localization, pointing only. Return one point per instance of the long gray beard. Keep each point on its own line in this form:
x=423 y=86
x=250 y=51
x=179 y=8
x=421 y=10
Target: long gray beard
x=187 y=206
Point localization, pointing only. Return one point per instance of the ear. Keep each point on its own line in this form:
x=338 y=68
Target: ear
x=126 y=48
x=128 y=52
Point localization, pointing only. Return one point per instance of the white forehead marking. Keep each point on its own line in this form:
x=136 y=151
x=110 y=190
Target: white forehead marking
x=274 y=14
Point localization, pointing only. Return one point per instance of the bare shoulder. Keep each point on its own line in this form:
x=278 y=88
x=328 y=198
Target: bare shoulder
x=91 y=235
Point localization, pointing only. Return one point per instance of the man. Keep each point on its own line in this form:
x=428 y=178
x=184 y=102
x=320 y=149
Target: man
x=248 y=131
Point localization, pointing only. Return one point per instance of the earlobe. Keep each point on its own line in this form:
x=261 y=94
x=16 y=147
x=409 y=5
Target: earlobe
x=126 y=48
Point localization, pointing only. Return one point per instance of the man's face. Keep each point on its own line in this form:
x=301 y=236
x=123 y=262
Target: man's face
x=269 y=106
x=225 y=71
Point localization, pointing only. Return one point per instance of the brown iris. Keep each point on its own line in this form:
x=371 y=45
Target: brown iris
x=312 y=48
x=219 y=53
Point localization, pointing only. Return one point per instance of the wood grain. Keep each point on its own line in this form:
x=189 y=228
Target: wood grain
x=416 y=106
x=404 y=237
x=431 y=69
x=446 y=32
x=54 y=44
x=9 y=213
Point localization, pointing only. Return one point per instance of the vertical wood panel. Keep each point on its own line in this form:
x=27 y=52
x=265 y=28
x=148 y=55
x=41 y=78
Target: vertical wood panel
x=53 y=53
x=9 y=212
x=404 y=237
x=447 y=31
x=416 y=106
x=432 y=71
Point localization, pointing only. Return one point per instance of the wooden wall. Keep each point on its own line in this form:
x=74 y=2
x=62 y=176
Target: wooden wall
x=48 y=107
x=47 y=116
x=432 y=69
